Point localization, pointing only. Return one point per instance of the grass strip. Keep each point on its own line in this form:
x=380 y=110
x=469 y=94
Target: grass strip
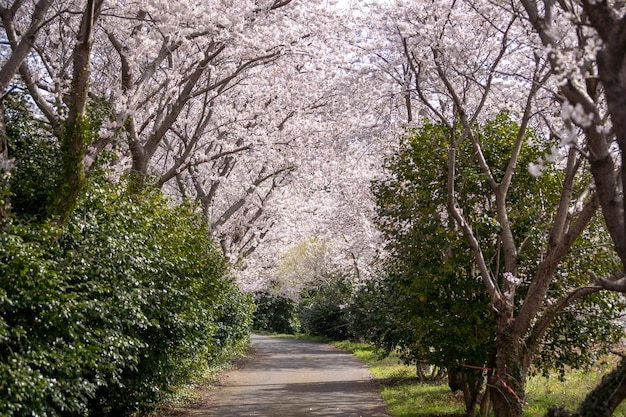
x=407 y=397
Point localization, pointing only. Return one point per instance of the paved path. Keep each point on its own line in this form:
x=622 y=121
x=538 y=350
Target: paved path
x=292 y=378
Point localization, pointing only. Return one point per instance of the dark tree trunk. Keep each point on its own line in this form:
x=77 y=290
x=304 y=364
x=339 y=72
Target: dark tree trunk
x=471 y=382
x=485 y=401
x=604 y=399
x=75 y=134
x=508 y=382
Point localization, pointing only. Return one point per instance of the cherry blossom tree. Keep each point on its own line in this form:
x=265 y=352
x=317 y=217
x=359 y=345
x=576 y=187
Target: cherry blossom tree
x=274 y=115
x=265 y=130
x=235 y=107
x=72 y=131
x=584 y=42
x=18 y=46
x=586 y=55
x=459 y=63
x=327 y=199
x=312 y=159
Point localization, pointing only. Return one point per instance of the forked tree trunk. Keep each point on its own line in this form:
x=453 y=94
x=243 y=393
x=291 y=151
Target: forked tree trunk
x=471 y=382
x=474 y=383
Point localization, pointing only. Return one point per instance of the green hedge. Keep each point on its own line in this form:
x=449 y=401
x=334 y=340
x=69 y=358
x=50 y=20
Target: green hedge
x=323 y=310
x=275 y=313
x=105 y=315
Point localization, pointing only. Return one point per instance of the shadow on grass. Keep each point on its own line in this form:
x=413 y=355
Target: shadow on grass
x=440 y=415
x=395 y=381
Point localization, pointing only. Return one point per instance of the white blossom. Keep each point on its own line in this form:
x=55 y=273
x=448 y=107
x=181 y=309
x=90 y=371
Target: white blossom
x=536 y=169
x=509 y=277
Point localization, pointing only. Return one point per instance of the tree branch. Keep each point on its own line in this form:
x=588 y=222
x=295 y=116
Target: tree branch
x=20 y=49
x=542 y=325
x=614 y=282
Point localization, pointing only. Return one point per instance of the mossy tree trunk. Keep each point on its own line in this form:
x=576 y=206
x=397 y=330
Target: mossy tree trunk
x=74 y=138
x=507 y=384
x=604 y=399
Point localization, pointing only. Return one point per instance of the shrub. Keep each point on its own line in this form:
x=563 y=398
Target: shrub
x=275 y=313
x=46 y=349
x=37 y=158
x=322 y=310
x=234 y=319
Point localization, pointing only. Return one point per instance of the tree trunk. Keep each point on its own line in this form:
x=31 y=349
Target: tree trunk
x=508 y=383
x=75 y=134
x=5 y=173
x=604 y=399
x=139 y=169
x=485 y=402
x=506 y=395
x=474 y=383
x=20 y=48
x=471 y=383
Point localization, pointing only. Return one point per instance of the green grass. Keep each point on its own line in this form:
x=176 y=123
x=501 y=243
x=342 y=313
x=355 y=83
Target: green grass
x=299 y=336
x=542 y=392
x=406 y=397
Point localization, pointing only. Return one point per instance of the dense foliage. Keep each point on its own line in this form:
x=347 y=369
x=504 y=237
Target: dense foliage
x=323 y=308
x=108 y=313
x=37 y=156
x=272 y=114
x=275 y=313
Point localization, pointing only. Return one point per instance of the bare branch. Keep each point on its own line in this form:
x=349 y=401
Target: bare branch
x=455 y=212
x=613 y=282
x=542 y=325
x=21 y=48
x=262 y=177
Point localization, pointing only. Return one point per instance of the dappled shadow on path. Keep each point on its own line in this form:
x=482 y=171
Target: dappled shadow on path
x=293 y=355
x=298 y=380
x=302 y=399
x=292 y=378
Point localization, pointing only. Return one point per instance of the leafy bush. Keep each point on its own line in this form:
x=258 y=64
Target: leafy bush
x=372 y=318
x=106 y=314
x=45 y=350
x=37 y=158
x=322 y=310
x=234 y=319
x=275 y=313
x=430 y=302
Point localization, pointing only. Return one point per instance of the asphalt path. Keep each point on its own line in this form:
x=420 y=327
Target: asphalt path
x=292 y=378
